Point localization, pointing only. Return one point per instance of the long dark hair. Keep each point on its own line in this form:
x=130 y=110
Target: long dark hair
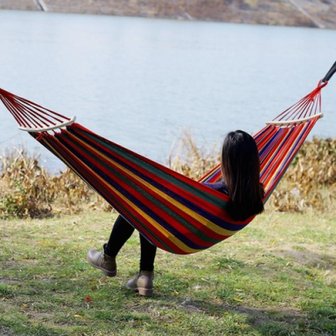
x=241 y=170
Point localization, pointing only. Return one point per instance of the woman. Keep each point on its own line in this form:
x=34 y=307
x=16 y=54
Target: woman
x=240 y=171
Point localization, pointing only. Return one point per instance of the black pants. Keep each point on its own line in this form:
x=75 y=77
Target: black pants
x=121 y=232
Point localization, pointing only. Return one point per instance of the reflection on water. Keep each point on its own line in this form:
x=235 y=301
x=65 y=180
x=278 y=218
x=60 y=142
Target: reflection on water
x=141 y=82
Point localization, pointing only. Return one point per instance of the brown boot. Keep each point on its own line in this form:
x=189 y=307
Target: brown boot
x=103 y=262
x=142 y=283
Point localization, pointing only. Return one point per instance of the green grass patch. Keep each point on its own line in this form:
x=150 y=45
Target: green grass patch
x=276 y=277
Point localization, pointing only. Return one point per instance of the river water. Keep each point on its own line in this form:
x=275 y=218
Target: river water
x=143 y=82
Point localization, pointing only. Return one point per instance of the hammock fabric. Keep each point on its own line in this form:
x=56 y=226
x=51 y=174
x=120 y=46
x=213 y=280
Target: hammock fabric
x=175 y=213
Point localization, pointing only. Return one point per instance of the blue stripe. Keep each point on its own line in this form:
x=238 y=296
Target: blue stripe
x=214 y=219
x=134 y=200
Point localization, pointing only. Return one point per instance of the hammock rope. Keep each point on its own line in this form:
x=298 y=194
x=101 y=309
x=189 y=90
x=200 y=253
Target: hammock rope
x=174 y=212
x=304 y=109
x=32 y=117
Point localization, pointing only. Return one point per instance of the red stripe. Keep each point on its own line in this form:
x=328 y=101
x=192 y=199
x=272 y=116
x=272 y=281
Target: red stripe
x=157 y=210
x=118 y=203
x=176 y=189
x=306 y=130
x=276 y=156
x=201 y=203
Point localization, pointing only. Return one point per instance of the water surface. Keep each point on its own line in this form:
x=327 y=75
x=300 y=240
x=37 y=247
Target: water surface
x=143 y=82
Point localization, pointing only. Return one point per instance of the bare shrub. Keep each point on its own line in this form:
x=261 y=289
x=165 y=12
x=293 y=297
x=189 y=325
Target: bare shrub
x=310 y=181
x=28 y=190
x=191 y=160
x=24 y=187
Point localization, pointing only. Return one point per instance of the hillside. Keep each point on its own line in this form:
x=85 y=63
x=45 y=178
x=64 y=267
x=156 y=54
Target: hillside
x=309 y=13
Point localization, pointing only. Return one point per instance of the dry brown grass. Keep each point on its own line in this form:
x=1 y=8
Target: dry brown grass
x=28 y=190
x=191 y=160
x=25 y=187
x=310 y=181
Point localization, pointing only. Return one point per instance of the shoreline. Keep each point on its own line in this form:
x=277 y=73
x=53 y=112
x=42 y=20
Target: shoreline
x=291 y=13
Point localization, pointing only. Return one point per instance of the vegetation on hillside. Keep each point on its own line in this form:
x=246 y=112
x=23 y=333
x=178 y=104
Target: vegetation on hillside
x=312 y=13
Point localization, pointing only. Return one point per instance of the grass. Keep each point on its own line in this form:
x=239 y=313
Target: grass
x=276 y=277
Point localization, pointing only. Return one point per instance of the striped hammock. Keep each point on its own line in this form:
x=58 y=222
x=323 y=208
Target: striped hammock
x=174 y=212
